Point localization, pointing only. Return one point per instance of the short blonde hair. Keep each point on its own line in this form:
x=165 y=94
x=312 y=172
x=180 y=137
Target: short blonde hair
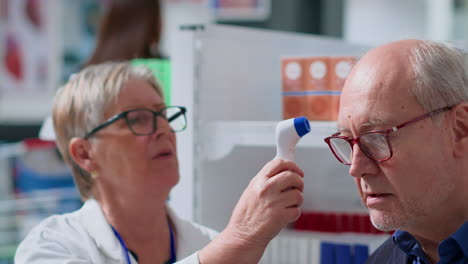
x=80 y=104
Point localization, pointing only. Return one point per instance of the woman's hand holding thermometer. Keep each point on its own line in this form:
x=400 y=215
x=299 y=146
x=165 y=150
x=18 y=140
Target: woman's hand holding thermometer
x=271 y=201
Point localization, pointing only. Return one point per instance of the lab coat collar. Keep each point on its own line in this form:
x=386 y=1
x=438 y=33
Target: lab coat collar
x=100 y=230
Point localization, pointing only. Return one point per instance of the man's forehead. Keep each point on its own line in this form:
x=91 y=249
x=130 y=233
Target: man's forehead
x=369 y=124
x=383 y=67
x=378 y=90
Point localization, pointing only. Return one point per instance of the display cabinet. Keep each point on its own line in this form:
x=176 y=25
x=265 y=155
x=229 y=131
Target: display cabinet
x=229 y=79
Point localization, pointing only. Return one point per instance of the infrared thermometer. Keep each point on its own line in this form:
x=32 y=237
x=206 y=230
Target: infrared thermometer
x=288 y=133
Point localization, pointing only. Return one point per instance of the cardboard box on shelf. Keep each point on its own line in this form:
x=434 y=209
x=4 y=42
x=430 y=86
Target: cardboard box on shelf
x=340 y=67
x=316 y=81
x=292 y=72
x=312 y=85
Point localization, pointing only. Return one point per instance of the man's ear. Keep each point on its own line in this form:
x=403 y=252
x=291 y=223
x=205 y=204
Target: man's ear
x=80 y=151
x=460 y=130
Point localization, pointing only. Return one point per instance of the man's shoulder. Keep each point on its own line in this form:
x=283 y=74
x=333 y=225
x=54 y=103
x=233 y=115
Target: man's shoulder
x=387 y=253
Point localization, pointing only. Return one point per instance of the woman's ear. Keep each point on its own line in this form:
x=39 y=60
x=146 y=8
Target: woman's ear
x=460 y=130
x=81 y=152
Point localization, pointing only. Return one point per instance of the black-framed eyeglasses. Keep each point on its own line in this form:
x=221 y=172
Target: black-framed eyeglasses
x=374 y=144
x=143 y=121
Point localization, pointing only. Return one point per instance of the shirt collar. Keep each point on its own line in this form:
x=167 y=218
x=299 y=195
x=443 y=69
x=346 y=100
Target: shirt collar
x=448 y=249
x=458 y=241
x=409 y=245
x=100 y=230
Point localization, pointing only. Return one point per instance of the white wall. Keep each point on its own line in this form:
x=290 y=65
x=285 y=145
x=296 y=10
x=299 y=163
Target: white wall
x=181 y=13
x=375 y=22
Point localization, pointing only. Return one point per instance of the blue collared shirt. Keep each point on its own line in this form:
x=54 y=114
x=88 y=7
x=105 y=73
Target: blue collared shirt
x=453 y=250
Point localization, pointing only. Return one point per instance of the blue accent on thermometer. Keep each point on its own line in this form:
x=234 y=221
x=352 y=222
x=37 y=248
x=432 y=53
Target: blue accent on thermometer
x=302 y=126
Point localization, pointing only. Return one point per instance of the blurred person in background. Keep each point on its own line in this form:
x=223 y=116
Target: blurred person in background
x=118 y=136
x=128 y=30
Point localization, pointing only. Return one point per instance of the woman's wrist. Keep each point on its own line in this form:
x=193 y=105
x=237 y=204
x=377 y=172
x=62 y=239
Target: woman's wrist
x=231 y=247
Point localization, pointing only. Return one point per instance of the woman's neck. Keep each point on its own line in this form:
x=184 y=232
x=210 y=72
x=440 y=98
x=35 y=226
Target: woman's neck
x=143 y=225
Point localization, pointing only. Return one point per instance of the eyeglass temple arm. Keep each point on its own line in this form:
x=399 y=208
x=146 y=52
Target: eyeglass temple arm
x=103 y=125
x=433 y=113
x=182 y=111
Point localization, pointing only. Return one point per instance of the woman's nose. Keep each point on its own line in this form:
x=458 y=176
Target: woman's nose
x=162 y=125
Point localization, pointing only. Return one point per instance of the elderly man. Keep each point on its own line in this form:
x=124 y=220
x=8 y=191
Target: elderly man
x=413 y=180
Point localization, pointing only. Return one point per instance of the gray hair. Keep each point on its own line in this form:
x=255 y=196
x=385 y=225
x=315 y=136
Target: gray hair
x=440 y=75
x=80 y=104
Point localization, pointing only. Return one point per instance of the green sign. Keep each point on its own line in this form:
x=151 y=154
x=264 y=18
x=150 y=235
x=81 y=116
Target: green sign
x=162 y=70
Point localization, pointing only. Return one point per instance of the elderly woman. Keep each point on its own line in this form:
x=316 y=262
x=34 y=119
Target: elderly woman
x=118 y=136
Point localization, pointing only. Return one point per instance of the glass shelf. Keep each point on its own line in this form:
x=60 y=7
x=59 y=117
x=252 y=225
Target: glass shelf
x=222 y=136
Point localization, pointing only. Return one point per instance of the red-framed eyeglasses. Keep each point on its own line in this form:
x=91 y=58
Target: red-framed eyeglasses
x=374 y=144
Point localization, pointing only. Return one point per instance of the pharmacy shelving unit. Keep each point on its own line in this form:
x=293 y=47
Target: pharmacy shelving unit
x=20 y=209
x=229 y=79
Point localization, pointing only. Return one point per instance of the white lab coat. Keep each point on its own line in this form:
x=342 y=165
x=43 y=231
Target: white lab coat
x=85 y=236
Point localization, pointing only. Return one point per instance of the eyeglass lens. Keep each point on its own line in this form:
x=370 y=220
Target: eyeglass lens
x=143 y=122
x=342 y=149
x=374 y=145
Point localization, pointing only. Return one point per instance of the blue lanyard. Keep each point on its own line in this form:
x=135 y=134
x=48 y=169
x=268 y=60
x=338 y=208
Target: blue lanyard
x=173 y=252
x=127 y=255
